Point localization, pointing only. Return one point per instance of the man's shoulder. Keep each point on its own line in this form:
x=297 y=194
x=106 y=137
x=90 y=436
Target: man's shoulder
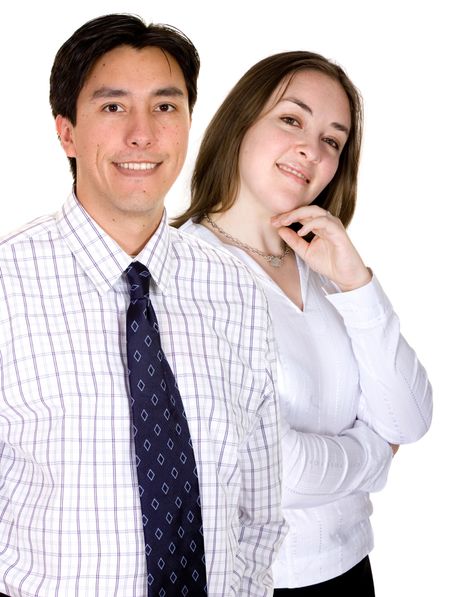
x=23 y=248
x=37 y=229
x=195 y=250
x=203 y=265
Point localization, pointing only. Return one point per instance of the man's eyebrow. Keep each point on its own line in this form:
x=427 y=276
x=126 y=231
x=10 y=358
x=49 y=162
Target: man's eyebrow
x=168 y=92
x=111 y=92
x=106 y=92
x=337 y=125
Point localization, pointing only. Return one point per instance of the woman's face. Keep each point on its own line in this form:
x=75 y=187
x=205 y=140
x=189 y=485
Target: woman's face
x=292 y=151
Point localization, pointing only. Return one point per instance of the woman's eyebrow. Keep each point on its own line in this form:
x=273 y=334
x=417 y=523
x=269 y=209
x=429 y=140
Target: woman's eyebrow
x=299 y=103
x=337 y=125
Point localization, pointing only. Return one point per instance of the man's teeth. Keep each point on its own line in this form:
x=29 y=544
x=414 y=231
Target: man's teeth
x=137 y=165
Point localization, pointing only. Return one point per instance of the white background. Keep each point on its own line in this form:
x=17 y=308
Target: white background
x=398 y=54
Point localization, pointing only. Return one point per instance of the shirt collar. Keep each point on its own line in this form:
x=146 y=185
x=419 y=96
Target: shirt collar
x=101 y=258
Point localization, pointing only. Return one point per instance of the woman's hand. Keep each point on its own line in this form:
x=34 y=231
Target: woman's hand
x=331 y=252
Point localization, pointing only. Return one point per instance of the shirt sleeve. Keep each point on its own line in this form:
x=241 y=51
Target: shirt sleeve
x=396 y=396
x=319 y=469
x=262 y=526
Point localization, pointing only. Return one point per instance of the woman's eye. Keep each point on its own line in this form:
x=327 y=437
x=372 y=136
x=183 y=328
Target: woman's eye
x=332 y=142
x=113 y=108
x=291 y=121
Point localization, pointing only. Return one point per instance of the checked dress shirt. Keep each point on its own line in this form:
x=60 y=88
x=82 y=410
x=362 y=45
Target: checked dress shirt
x=70 y=516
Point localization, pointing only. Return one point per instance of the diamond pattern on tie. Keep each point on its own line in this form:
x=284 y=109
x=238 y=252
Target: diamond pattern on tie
x=165 y=462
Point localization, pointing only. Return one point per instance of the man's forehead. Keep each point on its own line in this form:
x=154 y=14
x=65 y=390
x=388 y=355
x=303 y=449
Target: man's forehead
x=117 y=72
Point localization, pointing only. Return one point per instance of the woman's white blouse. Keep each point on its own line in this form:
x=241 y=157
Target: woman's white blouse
x=348 y=384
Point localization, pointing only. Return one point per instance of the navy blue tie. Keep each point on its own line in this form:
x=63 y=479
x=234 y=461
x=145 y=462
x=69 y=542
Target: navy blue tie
x=166 y=470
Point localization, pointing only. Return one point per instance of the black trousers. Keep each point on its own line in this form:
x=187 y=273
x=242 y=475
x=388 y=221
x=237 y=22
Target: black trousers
x=356 y=582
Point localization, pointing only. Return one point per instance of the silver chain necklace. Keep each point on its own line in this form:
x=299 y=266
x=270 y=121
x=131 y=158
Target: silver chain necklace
x=273 y=260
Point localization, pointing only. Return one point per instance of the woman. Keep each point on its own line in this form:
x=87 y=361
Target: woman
x=275 y=184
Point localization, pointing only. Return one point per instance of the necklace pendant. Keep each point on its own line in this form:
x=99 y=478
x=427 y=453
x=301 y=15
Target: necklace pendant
x=275 y=261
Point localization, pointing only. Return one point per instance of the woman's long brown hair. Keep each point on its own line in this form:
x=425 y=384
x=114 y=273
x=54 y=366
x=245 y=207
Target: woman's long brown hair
x=215 y=180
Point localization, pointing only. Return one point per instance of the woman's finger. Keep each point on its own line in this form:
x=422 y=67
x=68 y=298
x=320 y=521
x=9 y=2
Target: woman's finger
x=300 y=215
x=298 y=245
x=316 y=225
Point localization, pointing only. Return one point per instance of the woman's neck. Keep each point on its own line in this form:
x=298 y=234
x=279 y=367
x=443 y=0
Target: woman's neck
x=283 y=270
x=248 y=226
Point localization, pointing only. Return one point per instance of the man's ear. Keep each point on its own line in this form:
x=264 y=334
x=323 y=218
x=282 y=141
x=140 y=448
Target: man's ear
x=64 y=128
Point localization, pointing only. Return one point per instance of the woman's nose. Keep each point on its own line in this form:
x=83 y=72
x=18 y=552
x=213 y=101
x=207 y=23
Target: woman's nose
x=309 y=148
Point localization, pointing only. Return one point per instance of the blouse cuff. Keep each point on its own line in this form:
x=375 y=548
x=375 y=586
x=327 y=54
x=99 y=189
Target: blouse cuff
x=364 y=307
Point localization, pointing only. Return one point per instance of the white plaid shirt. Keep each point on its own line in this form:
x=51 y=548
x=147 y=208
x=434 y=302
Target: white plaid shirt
x=70 y=521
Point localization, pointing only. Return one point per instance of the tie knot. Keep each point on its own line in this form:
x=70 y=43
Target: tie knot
x=139 y=280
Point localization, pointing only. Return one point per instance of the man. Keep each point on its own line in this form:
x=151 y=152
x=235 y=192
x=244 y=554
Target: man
x=74 y=510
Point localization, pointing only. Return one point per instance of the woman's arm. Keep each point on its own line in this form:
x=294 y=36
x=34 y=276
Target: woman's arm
x=318 y=469
x=396 y=395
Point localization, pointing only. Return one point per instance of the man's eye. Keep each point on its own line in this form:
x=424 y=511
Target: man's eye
x=166 y=108
x=113 y=108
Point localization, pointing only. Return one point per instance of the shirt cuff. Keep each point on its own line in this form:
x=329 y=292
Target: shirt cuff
x=365 y=307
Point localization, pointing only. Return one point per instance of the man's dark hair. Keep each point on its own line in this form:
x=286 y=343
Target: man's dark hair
x=78 y=55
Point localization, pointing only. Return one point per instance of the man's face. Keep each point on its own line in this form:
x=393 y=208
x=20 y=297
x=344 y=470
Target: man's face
x=131 y=134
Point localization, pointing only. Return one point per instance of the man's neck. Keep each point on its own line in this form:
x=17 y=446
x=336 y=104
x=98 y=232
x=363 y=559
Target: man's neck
x=131 y=231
